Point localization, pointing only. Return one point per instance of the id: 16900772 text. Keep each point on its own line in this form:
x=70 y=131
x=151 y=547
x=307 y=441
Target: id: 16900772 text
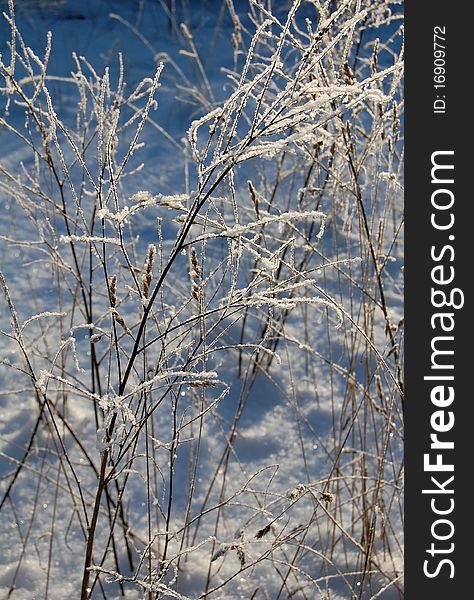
x=439 y=69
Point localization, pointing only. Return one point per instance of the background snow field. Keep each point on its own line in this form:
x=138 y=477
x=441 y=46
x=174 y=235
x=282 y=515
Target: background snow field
x=201 y=257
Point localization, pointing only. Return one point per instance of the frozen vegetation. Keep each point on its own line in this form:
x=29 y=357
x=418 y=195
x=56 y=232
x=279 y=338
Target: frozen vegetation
x=201 y=250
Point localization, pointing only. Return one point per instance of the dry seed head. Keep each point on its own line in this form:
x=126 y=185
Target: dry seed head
x=204 y=383
x=196 y=292
x=263 y=532
x=120 y=320
x=296 y=493
x=327 y=497
x=220 y=552
x=379 y=386
x=253 y=195
x=348 y=73
x=196 y=269
x=375 y=53
x=113 y=291
x=396 y=120
x=148 y=268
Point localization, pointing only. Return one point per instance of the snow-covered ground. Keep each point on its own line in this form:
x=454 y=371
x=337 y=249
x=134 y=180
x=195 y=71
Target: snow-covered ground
x=257 y=446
